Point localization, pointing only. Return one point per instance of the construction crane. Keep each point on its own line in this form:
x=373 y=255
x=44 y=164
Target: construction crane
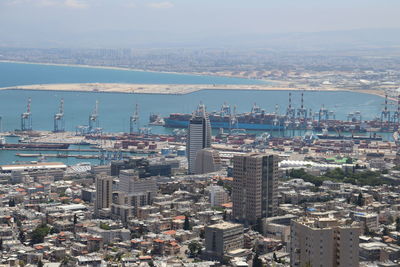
x=385 y=114
x=94 y=119
x=134 y=121
x=302 y=112
x=59 y=123
x=26 y=117
x=290 y=112
x=396 y=115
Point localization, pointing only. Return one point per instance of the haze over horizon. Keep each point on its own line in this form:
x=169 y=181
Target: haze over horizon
x=224 y=23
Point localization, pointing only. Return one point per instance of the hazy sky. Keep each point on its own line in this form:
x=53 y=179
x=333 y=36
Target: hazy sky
x=103 y=22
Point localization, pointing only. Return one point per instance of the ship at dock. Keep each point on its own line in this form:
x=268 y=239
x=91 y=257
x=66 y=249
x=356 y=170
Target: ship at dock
x=31 y=146
x=295 y=118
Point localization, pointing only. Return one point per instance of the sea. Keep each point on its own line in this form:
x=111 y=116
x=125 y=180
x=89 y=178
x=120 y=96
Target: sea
x=116 y=108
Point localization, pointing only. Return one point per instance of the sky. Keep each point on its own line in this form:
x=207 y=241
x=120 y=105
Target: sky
x=105 y=23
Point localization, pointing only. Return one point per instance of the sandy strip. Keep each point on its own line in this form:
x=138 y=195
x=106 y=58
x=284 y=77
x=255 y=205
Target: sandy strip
x=179 y=89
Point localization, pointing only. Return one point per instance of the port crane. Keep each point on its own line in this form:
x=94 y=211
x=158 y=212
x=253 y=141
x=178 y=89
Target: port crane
x=302 y=111
x=134 y=120
x=26 y=117
x=94 y=120
x=385 y=114
x=290 y=112
x=59 y=123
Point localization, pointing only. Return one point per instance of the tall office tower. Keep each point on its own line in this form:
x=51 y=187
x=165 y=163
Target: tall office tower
x=103 y=193
x=324 y=242
x=207 y=160
x=199 y=135
x=254 y=190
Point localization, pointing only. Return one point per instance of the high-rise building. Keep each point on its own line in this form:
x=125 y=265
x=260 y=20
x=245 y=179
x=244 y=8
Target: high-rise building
x=133 y=192
x=324 y=242
x=199 y=135
x=254 y=190
x=207 y=160
x=104 y=187
x=222 y=238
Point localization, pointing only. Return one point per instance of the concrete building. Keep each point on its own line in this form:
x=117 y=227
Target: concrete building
x=199 y=135
x=103 y=198
x=207 y=160
x=218 y=195
x=133 y=192
x=254 y=190
x=324 y=242
x=222 y=238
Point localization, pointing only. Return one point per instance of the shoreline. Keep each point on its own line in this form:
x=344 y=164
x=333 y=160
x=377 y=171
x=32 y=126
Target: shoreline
x=171 y=89
x=132 y=69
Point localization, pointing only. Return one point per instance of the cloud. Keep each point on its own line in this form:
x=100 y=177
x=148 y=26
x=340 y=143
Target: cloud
x=161 y=5
x=50 y=3
x=74 y=4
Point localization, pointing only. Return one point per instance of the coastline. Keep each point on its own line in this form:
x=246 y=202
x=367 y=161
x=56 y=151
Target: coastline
x=133 y=69
x=171 y=89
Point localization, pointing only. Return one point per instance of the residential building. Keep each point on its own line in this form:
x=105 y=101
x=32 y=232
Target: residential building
x=103 y=193
x=222 y=238
x=207 y=160
x=324 y=242
x=254 y=191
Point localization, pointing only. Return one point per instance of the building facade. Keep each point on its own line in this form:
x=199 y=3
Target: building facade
x=104 y=187
x=254 y=190
x=207 y=160
x=222 y=238
x=199 y=136
x=324 y=242
x=133 y=192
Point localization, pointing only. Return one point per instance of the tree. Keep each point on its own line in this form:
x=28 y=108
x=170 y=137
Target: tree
x=385 y=231
x=360 y=200
x=202 y=234
x=21 y=236
x=186 y=224
x=257 y=261
x=1 y=244
x=398 y=224
x=194 y=248
x=75 y=219
x=11 y=202
x=40 y=264
x=224 y=215
x=274 y=257
x=39 y=233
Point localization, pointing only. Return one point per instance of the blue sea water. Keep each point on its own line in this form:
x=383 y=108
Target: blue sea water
x=115 y=108
x=12 y=74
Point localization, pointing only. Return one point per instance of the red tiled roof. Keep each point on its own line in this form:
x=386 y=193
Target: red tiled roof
x=170 y=232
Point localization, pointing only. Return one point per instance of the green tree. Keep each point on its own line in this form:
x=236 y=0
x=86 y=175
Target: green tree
x=11 y=202
x=257 y=261
x=194 y=248
x=398 y=224
x=385 y=231
x=360 y=200
x=186 y=224
x=274 y=257
x=39 y=233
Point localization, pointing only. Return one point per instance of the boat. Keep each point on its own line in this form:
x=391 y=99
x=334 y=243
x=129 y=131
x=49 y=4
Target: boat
x=256 y=119
x=33 y=146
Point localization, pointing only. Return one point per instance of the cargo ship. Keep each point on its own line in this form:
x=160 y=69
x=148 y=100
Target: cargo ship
x=33 y=146
x=256 y=119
